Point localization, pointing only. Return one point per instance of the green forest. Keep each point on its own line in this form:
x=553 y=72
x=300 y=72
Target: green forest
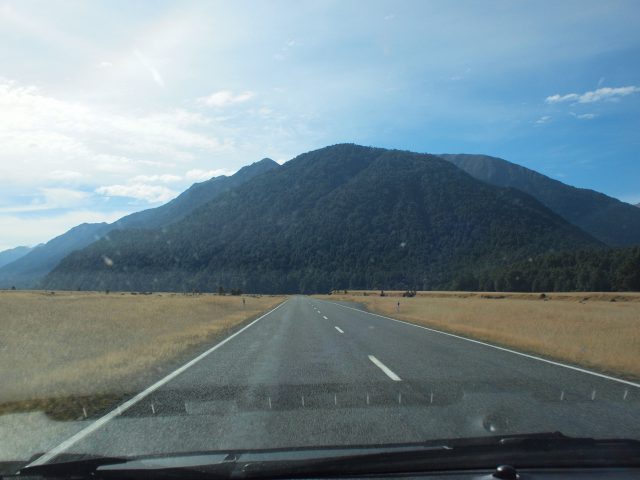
x=603 y=270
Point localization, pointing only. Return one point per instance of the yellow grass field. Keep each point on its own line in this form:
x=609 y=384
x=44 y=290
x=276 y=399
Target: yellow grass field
x=600 y=331
x=61 y=346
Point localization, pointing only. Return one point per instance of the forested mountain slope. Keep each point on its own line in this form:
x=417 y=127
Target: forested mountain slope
x=197 y=195
x=609 y=220
x=340 y=217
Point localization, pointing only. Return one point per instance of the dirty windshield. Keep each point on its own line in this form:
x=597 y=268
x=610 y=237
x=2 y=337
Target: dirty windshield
x=278 y=224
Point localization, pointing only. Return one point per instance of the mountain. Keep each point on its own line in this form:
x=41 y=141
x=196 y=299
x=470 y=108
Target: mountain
x=29 y=270
x=609 y=220
x=637 y=205
x=197 y=195
x=8 y=256
x=343 y=216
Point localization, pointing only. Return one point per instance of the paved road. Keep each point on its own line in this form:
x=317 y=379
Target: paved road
x=319 y=373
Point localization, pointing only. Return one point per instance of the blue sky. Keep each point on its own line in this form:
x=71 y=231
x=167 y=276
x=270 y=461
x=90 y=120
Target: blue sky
x=111 y=107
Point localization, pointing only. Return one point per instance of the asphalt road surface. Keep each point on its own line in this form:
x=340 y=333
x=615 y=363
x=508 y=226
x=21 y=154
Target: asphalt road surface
x=313 y=373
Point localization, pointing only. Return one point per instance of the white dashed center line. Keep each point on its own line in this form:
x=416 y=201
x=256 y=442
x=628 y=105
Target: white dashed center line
x=385 y=369
x=325 y=317
x=339 y=329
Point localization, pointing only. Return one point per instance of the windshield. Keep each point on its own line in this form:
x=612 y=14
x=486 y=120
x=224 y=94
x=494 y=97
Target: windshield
x=234 y=226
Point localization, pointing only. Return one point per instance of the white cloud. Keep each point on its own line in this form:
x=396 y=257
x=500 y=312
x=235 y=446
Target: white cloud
x=64 y=197
x=604 y=93
x=105 y=65
x=164 y=178
x=139 y=191
x=198 y=175
x=65 y=175
x=562 y=98
x=49 y=199
x=146 y=63
x=608 y=93
x=224 y=98
x=113 y=164
x=586 y=116
x=542 y=120
x=44 y=138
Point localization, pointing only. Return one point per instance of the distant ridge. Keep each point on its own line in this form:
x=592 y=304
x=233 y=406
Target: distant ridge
x=11 y=255
x=26 y=271
x=609 y=220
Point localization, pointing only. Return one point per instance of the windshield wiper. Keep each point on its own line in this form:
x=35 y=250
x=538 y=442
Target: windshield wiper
x=208 y=465
x=68 y=466
x=522 y=451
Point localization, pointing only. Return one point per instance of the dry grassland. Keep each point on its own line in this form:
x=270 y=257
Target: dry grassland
x=90 y=348
x=600 y=331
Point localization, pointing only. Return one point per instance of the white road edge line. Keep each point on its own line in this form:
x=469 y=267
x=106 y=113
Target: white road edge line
x=129 y=403
x=533 y=357
x=325 y=317
x=384 y=368
x=339 y=329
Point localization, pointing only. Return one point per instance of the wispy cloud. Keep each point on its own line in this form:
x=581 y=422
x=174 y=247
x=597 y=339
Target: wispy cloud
x=146 y=63
x=585 y=116
x=225 y=98
x=542 y=120
x=163 y=178
x=49 y=199
x=605 y=93
x=283 y=54
x=139 y=191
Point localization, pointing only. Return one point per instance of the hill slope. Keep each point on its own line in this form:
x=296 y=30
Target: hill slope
x=13 y=254
x=340 y=217
x=29 y=270
x=609 y=220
